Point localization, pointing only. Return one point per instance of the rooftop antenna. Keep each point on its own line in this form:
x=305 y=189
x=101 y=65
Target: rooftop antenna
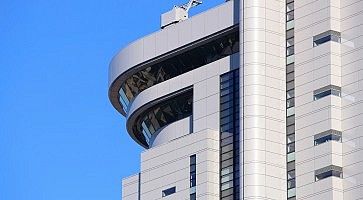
x=178 y=13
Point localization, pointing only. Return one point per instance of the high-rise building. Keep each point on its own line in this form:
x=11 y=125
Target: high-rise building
x=254 y=99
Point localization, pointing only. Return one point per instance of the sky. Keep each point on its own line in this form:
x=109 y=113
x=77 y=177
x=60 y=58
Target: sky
x=60 y=138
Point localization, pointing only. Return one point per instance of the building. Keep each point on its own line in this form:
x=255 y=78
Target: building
x=254 y=99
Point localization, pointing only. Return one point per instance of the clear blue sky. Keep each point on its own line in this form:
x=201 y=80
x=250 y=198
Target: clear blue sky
x=60 y=138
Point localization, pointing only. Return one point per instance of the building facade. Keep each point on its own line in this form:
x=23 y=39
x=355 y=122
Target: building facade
x=254 y=99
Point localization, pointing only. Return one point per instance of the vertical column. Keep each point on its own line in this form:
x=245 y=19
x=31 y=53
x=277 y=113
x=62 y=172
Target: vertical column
x=263 y=110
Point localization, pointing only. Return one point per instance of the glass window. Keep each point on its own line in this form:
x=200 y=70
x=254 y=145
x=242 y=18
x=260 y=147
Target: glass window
x=290 y=7
x=227 y=185
x=227 y=98
x=290 y=129
x=291 y=166
x=229 y=135
x=291 y=193
x=227 y=127
x=193 y=160
x=290 y=85
x=227 y=170
x=290 y=111
x=226 y=105
x=226 y=134
x=291 y=184
x=290 y=51
x=290 y=103
x=291 y=138
x=290 y=94
x=168 y=192
x=329 y=171
x=227 y=163
x=290 y=120
x=290 y=59
x=227 y=155
x=327 y=36
x=227 y=148
x=154 y=73
x=291 y=147
x=193 y=196
x=291 y=157
x=226 y=120
x=290 y=25
x=290 y=42
x=227 y=112
x=290 y=68
x=289 y=33
x=226 y=193
x=327 y=136
x=193 y=180
x=291 y=174
x=290 y=16
x=290 y=77
x=227 y=178
x=326 y=91
x=226 y=141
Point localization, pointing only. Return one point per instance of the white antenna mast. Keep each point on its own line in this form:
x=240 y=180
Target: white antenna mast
x=178 y=13
x=190 y=4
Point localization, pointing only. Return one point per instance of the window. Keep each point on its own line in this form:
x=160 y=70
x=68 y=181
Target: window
x=326 y=91
x=290 y=42
x=290 y=51
x=290 y=138
x=290 y=34
x=291 y=184
x=291 y=157
x=193 y=196
x=290 y=120
x=229 y=135
x=327 y=36
x=290 y=129
x=290 y=59
x=291 y=166
x=290 y=16
x=290 y=111
x=193 y=176
x=290 y=7
x=331 y=135
x=290 y=77
x=290 y=103
x=291 y=193
x=290 y=68
x=193 y=171
x=168 y=192
x=291 y=147
x=291 y=174
x=328 y=171
x=290 y=94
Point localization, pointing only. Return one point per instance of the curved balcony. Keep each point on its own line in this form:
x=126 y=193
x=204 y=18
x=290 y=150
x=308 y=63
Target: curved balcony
x=202 y=52
x=148 y=120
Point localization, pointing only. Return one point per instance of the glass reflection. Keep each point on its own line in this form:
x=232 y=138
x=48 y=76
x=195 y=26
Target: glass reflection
x=162 y=114
x=179 y=64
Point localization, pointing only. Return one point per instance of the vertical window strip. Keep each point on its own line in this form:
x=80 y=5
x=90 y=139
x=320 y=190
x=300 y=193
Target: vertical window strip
x=290 y=101
x=193 y=177
x=229 y=136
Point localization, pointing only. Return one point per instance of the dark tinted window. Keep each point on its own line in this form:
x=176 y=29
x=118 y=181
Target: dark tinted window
x=168 y=192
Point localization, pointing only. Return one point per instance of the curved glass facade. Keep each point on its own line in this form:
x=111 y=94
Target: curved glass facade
x=162 y=114
x=226 y=44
